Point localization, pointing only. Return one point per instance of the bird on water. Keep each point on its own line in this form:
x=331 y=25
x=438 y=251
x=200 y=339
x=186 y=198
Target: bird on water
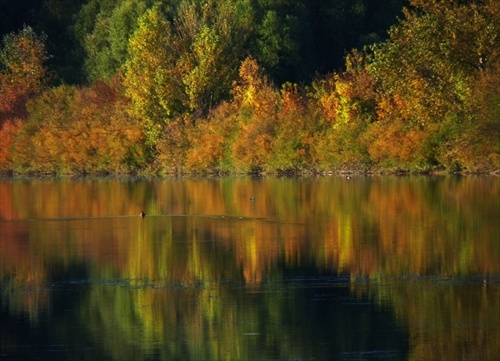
x=142 y=214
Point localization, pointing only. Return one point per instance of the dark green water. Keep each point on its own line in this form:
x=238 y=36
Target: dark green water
x=371 y=268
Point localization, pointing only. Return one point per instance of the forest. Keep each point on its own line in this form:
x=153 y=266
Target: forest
x=145 y=87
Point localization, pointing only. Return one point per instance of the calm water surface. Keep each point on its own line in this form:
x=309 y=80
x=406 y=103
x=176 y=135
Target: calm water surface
x=371 y=268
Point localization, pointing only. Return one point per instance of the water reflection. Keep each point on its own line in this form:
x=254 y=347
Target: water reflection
x=326 y=268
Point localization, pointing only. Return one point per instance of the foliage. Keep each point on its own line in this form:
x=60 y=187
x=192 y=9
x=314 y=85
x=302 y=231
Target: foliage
x=106 y=45
x=22 y=59
x=151 y=80
x=172 y=146
x=425 y=78
x=200 y=86
x=22 y=75
x=292 y=39
x=479 y=148
x=22 y=71
x=183 y=66
x=209 y=142
x=81 y=131
x=346 y=103
x=8 y=134
x=257 y=102
x=296 y=130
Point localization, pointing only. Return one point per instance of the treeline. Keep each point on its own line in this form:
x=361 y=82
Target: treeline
x=292 y=39
x=222 y=87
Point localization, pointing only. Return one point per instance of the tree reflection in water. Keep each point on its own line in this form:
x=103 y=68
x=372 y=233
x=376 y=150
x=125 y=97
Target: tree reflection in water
x=369 y=268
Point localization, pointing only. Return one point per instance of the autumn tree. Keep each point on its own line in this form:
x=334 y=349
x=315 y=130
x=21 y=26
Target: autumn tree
x=22 y=69
x=8 y=134
x=346 y=104
x=22 y=76
x=71 y=130
x=258 y=105
x=185 y=66
x=424 y=74
x=210 y=141
x=40 y=146
x=297 y=129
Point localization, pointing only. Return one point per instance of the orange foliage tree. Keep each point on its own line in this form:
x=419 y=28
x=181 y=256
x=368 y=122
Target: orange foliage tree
x=296 y=132
x=87 y=130
x=210 y=141
x=8 y=133
x=104 y=136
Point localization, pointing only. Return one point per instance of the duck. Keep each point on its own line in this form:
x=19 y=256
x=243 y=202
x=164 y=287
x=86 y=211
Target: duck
x=142 y=214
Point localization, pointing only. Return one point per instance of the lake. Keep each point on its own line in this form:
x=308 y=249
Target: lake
x=326 y=268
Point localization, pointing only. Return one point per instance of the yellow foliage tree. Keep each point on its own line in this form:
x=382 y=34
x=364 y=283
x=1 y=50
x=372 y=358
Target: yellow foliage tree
x=258 y=103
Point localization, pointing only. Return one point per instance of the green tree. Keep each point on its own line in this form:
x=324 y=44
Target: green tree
x=104 y=29
x=187 y=65
x=276 y=44
x=90 y=22
x=282 y=38
x=216 y=51
x=201 y=83
x=151 y=80
x=346 y=104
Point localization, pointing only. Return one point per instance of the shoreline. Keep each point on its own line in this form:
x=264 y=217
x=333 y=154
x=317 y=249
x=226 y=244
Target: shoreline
x=344 y=172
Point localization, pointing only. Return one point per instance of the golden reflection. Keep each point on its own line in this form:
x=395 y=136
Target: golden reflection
x=169 y=266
